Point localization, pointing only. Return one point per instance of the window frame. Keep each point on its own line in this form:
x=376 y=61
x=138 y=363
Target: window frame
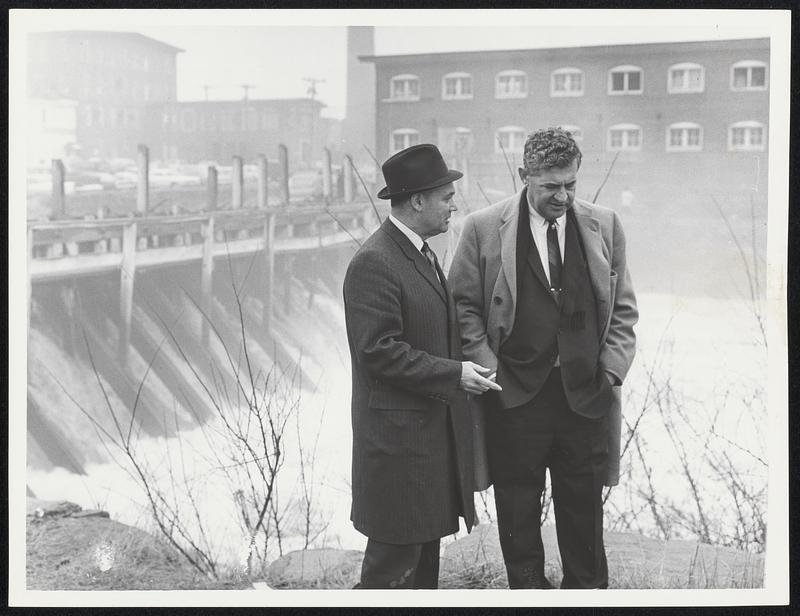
x=406 y=98
x=684 y=147
x=406 y=132
x=686 y=66
x=567 y=70
x=748 y=147
x=459 y=96
x=510 y=73
x=626 y=147
x=749 y=64
x=509 y=129
x=626 y=69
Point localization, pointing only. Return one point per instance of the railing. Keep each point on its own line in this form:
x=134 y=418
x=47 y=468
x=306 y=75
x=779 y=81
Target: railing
x=72 y=247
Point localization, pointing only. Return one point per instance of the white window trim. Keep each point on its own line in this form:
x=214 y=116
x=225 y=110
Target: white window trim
x=626 y=68
x=749 y=64
x=747 y=147
x=567 y=70
x=572 y=127
x=510 y=73
x=625 y=148
x=686 y=66
x=403 y=99
x=404 y=132
x=459 y=96
x=507 y=129
x=684 y=148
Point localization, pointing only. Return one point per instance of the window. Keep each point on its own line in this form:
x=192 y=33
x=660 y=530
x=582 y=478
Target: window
x=685 y=77
x=684 y=137
x=404 y=88
x=456 y=86
x=749 y=75
x=403 y=138
x=511 y=84
x=747 y=136
x=510 y=139
x=575 y=131
x=625 y=80
x=624 y=137
x=566 y=82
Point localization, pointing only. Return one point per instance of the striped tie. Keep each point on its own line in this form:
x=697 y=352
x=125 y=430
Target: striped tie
x=554 y=256
x=431 y=257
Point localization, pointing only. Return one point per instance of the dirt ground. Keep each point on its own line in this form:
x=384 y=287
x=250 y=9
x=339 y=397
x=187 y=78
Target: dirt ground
x=91 y=552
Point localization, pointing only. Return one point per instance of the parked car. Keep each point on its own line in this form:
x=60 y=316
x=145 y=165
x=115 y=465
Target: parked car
x=305 y=186
x=161 y=177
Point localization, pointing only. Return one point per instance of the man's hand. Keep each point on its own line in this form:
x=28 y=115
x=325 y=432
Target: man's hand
x=476 y=379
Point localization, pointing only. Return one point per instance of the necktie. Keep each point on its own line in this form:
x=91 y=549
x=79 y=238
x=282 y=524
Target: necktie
x=554 y=256
x=431 y=257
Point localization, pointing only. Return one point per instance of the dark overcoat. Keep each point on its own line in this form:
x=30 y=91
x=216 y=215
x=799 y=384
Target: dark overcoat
x=412 y=439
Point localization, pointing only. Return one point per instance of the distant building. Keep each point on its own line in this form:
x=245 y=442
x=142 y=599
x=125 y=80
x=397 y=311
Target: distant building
x=51 y=130
x=685 y=120
x=195 y=131
x=359 y=124
x=112 y=76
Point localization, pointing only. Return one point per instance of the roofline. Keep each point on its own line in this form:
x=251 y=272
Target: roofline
x=122 y=32
x=241 y=100
x=445 y=54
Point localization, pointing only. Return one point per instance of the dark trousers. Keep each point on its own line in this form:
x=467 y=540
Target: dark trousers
x=523 y=442
x=388 y=565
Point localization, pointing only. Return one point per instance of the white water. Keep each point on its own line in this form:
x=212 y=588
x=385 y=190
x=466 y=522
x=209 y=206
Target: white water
x=706 y=346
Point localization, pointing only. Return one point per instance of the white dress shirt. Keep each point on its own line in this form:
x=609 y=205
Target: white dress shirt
x=409 y=233
x=539 y=231
x=414 y=237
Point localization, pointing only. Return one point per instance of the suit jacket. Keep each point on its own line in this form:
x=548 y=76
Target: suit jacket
x=412 y=439
x=483 y=275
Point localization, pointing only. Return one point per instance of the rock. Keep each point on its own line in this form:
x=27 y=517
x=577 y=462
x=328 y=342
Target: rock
x=634 y=561
x=322 y=568
x=91 y=513
x=41 y=508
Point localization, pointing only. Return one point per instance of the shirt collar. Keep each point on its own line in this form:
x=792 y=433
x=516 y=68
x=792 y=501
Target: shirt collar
x=408 y=232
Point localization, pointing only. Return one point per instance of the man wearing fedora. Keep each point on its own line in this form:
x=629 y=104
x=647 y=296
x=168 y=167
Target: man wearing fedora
x=544 y=296
x=412 y=474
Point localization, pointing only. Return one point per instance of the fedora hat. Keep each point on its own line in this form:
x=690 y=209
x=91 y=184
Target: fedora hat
x=415 y=169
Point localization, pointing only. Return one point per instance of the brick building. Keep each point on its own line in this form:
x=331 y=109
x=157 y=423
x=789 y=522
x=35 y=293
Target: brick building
x=683 y=119
x=193 y=131
x=113 y=77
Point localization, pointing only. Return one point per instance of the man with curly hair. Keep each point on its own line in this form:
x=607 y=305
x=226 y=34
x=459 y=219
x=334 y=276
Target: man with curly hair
x=544 y=297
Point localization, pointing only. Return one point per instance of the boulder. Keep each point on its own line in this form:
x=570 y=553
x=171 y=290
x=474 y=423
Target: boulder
x=320 y=568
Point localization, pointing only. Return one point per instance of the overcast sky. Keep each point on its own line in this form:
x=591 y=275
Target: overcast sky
x=225 y=49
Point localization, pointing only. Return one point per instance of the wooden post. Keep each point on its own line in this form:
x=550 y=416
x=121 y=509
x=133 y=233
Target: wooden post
x=327 y=176
x=59 y=200
x=269 y=272
x=212 y=191
x=143 y=182
x=238 y=183
x=348 y=179
x=263 y=182
x=283 y=157
x=207 y=276
x=127 y=272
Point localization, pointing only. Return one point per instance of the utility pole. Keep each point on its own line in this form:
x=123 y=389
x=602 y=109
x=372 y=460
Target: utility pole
x=246 y=87
x=312 y=94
